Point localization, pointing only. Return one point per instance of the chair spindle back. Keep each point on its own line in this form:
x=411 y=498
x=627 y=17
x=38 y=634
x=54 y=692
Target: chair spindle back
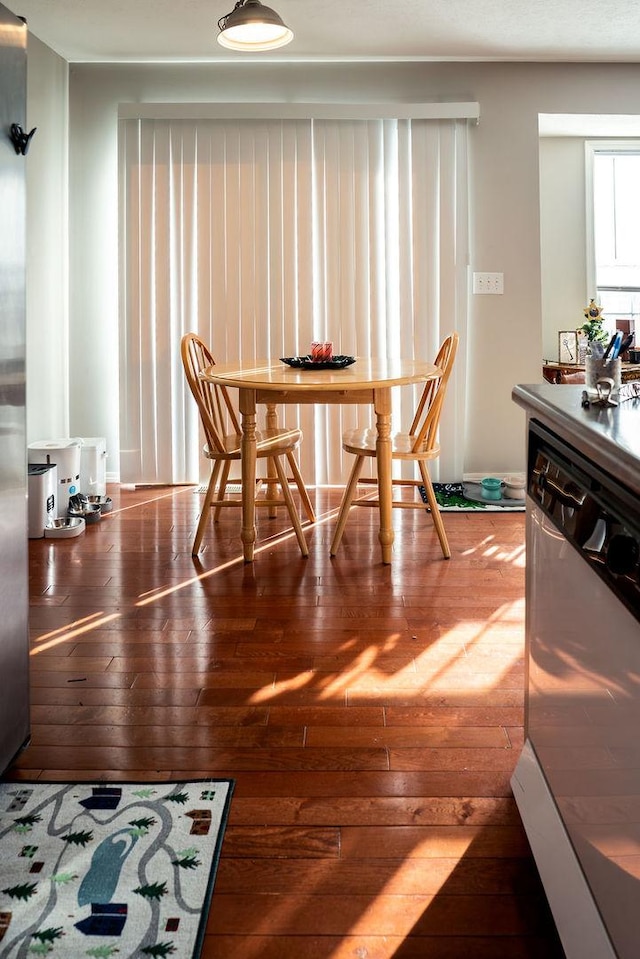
x=424 y=428
x=217 y=414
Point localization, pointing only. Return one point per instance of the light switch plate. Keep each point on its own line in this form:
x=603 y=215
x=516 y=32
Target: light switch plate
x=488 y=283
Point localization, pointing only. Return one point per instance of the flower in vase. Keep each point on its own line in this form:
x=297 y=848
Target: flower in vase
x=593 y=327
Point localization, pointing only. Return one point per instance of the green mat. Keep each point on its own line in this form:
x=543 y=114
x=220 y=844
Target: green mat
x=108 y=869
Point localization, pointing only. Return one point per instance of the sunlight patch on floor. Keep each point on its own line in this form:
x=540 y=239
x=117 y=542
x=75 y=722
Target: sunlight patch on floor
x=59 y=636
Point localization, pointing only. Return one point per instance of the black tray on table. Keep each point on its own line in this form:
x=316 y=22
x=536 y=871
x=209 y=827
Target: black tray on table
x=307 y=363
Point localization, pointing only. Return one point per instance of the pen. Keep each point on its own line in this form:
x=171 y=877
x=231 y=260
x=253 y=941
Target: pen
x=616 y=346
x=610 y=347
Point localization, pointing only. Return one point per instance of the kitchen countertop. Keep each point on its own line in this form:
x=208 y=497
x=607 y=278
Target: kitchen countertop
x=609 y=436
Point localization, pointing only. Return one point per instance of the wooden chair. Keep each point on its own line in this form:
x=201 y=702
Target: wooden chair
x=223 y=437
x=420 y=445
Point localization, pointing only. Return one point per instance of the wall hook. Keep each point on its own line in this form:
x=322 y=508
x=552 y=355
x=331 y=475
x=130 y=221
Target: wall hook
x=20 y=139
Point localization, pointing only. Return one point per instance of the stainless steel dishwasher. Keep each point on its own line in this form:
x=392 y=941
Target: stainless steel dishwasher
x=577 y=784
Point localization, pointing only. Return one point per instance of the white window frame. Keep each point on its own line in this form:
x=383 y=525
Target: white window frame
x=592 y=147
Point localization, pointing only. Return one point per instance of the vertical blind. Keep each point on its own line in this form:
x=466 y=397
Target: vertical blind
x=263 y=235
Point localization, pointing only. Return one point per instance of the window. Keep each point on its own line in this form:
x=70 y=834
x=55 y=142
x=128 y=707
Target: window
x=262 y=235
x=613 y=195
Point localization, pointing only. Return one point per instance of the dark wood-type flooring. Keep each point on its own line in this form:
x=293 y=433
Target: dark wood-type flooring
x=370 y=715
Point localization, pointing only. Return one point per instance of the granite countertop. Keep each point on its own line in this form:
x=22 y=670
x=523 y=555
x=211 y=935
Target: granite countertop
x=610 y=436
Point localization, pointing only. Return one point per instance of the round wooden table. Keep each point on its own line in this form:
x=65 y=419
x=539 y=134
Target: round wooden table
x=271 y=382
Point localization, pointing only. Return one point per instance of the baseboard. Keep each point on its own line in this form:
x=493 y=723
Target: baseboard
x=233 y=487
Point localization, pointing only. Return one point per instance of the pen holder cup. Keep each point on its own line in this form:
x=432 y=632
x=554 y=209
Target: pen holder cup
x=597 y=369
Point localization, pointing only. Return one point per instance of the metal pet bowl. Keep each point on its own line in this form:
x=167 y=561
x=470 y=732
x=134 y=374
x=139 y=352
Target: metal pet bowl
x=80 y=507
x=64 y=527
x=104 y=502
x=90 y=513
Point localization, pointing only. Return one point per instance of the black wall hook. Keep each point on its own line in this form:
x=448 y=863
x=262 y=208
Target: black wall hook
x=20 y=139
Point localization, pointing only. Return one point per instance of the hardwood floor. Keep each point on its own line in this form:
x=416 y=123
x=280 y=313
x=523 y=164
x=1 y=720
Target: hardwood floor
x=370 y=715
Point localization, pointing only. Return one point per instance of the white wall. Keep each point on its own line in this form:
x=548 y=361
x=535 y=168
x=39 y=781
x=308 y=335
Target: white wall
x=47 y=214
x=562 y=238
x=505 y=343
x=505 y=223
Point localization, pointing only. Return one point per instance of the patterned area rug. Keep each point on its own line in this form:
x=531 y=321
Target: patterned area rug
x=467 y=498
x=95 y=869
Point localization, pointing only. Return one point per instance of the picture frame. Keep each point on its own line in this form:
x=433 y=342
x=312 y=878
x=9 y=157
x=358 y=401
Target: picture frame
x=568 y=347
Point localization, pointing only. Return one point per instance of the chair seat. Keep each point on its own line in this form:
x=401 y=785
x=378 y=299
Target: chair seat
x=362 y=442
x=269 y=442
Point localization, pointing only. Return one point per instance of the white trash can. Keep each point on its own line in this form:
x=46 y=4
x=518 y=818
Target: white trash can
x=43 y=492
x=93 y=466
x=65 y=454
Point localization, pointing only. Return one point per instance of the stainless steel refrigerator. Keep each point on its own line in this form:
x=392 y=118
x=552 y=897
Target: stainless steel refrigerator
x=14 y=649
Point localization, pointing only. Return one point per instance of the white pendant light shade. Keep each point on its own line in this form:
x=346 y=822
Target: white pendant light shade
x=252 y=26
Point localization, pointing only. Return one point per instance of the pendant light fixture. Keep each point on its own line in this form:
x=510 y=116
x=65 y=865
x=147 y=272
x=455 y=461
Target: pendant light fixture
x=252 y=26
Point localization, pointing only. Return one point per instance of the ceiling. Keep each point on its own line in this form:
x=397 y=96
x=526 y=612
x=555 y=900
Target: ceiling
x=185 y=30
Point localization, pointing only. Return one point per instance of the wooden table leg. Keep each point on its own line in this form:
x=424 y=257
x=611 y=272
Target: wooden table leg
x=247 y=403
x=382 y=405
x=272 y=476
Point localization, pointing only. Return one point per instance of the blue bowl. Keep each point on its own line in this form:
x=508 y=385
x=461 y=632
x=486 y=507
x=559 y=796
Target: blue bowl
x=491 y=487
